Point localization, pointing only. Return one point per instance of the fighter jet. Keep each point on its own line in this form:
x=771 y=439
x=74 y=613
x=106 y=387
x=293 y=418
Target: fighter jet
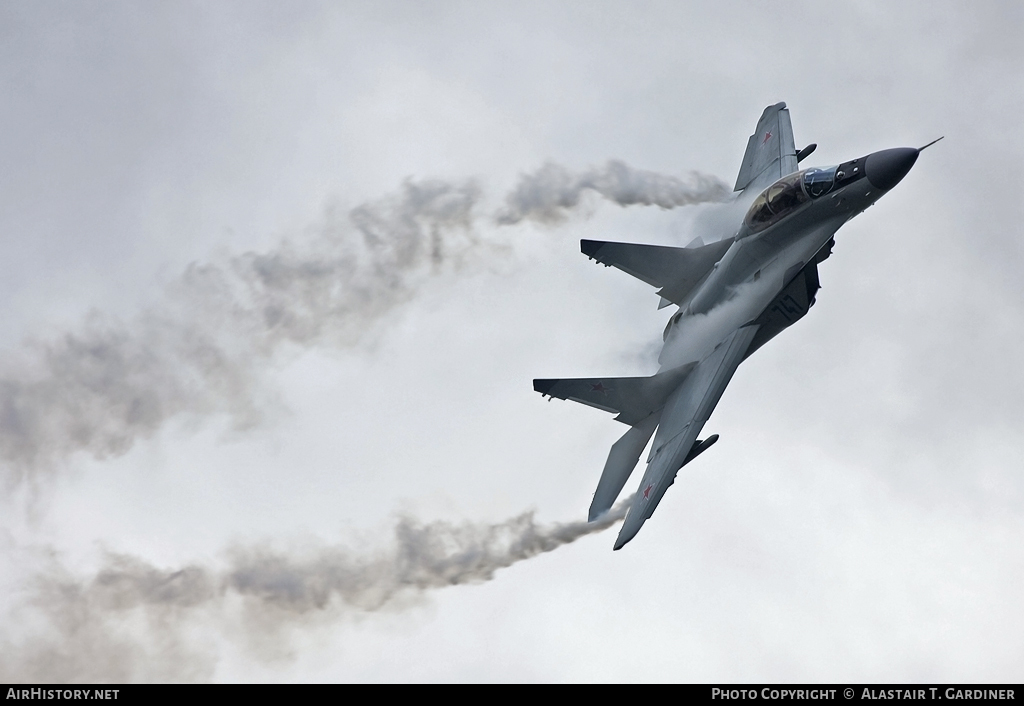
x=733 y=296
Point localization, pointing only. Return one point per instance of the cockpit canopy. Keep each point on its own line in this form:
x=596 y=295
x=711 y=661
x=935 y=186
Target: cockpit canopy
x=818 y=182
x=784 y=196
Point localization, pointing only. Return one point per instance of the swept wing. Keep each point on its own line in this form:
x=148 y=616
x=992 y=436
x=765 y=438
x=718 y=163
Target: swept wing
x=633 y=399
x=675 y=271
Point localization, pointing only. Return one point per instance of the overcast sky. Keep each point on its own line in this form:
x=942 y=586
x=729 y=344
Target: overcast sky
x=861 y=519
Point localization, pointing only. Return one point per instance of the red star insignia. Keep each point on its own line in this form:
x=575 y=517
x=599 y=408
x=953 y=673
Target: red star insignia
x=599 y=387
x=647 y=492
x=767 y=136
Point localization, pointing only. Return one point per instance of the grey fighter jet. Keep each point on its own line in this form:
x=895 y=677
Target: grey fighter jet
x=733 y=295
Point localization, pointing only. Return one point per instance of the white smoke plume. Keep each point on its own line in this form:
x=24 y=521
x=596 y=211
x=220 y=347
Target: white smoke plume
x=204 y=352
x=551 y=192
x=135 y=622
x=101 y=388
x=694 y=336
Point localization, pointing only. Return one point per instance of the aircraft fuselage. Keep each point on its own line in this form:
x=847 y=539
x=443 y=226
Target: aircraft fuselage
x=734 y=295
x=729 y=306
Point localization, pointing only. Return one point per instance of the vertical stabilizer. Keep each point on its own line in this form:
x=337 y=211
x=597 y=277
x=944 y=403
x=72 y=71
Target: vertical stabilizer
x=621 y=461
x=771 y=151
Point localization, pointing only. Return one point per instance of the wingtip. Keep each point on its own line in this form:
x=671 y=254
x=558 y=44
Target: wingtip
x=543 y=386
x=590 y=247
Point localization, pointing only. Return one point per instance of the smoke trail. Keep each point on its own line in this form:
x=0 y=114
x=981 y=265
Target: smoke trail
x=94 y=625
x=427 y=556
x=552 y=191
x=203 y=351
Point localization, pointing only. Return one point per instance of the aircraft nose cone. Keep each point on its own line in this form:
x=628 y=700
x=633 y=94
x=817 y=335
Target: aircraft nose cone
x=885 y=169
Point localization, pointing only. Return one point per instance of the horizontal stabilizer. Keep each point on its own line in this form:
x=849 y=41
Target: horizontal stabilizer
x=632 y=399
x=674 y=271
